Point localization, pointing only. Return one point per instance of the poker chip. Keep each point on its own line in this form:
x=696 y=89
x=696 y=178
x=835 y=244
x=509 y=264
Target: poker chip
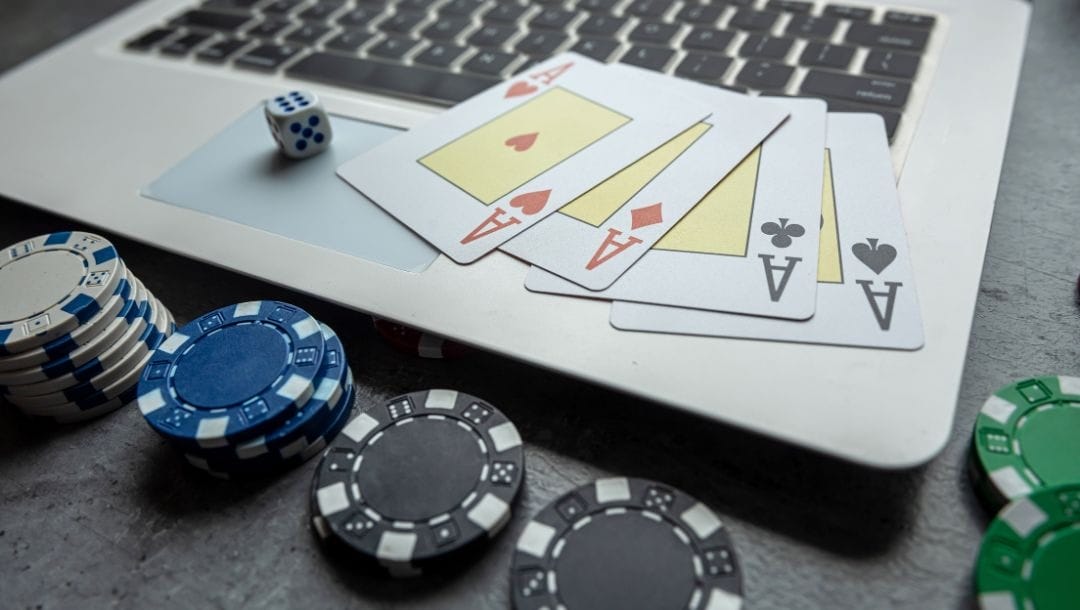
x=112 y=380
x=62 y=280
x=417 y=343
x=629 y=544
x=90 y=359
x=1029 y=555
x=304 y=433
x=1025 y=439
x=231 y=374
x=65 y=344
x=77 y=327
x=249 y=389
x=417 y=478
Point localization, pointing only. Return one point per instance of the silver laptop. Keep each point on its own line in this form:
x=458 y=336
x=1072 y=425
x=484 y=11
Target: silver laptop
x=108 y=113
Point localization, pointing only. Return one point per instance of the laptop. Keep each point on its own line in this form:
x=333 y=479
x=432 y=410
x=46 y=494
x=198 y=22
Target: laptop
x=109 y=112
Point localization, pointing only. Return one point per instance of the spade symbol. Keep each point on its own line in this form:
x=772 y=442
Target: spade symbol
x=783 y=232
x=875 y=256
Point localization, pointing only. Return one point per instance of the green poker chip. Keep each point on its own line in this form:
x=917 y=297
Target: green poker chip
x=1030 y=556
x=1027 y=437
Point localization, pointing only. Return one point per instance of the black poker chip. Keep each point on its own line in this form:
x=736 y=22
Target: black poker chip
x=418 y=477
x=625 y=543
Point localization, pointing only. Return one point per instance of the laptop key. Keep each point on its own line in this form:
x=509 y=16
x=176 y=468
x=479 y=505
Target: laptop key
x=416 y=82
x=236 y=6
x=705 y=39
x=854 y=13
x=492 y=35
x=703 y=67
x=765 y=47
x=440 y=55
x=891 y=117
x=540 y=43
x=649 y=9
x=402 y=23
x=605 y=26
x=446 y=28
x=308 y=34
x=321 y=11
x=910 y=20
x=221 y=50
x=824 y=55
x=505 y=12
x=489 y=63
x=705 y=14
x=349 y=41
x=185 y=44
x=764 y=75
x=600 y=50
x=807 y=26
x=393 y=47
x=281 y=7
x=359 y=17
x=552 y=19
x=789 y=6
x=597 y=6
x=886 y=36
x=654 y=32
x=652 y=58
x=213 y=20
x=753 y=21
x=147 y=41
x=875 y=91
x=892 y=63
x=461 y=8
x=268 y=56
x=271 y=27
x=414 y=6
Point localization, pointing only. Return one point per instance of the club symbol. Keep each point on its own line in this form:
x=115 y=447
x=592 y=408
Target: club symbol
x=782 y=233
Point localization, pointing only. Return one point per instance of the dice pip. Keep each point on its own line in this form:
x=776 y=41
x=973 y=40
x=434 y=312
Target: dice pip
x=298 y=123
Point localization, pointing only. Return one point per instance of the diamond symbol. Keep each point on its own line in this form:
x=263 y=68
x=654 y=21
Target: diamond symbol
x=643 y=217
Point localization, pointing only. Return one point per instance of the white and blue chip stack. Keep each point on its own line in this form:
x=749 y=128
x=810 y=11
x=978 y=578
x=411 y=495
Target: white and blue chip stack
x=76 y=327
x=248 y=389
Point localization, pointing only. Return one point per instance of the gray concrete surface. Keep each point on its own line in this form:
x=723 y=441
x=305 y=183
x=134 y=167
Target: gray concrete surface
x=103 y=515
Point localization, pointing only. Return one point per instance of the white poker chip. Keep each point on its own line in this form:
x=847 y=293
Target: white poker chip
x=51 y=284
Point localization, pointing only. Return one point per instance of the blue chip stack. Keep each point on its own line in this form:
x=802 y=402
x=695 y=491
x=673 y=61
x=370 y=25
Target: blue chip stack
x=76 y=327
x=248 y=389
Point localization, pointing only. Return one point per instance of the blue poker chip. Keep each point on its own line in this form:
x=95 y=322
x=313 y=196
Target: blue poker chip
x=69 y=342
x=309 y=422
x=308 y=444
x=232 y=374
x=52 y=284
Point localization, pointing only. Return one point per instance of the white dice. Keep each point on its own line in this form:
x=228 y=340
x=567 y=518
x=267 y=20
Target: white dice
x=298 y=123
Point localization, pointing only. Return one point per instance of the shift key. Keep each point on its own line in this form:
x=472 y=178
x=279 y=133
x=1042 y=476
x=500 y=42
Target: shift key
x=876 y=91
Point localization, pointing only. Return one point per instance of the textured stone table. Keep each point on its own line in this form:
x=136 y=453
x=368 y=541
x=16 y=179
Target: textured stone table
x=103 y=514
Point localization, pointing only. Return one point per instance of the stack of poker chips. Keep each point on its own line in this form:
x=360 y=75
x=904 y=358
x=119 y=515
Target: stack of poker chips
x=76 y=327
x=1025 y=465
x=249 y=389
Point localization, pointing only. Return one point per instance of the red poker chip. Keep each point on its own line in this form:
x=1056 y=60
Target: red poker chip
x=417 y=343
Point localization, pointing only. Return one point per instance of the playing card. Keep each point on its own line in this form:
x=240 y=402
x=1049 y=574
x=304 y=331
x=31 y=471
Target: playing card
x=866 y=292
x=749 y=245
x=597 y=237
x=491 y=167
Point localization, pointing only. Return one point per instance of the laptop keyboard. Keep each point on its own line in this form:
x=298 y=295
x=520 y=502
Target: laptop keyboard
x=858 y=59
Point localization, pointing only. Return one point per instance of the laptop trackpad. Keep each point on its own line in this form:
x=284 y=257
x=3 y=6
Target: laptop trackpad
x=239 y=175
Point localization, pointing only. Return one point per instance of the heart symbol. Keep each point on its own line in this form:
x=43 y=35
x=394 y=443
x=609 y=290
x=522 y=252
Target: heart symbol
x=523 y=142
x=531 y=203
x=876 y=257
x=521 y=88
